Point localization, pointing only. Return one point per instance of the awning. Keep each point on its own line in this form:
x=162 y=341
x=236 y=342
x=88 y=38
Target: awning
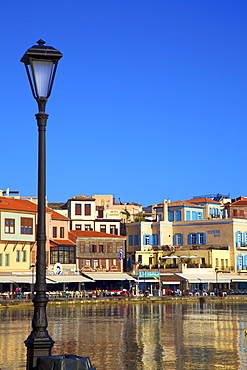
x=170 y=279
x=210 y=277
x=101 y=276
x=20 y=279
x=66 y=279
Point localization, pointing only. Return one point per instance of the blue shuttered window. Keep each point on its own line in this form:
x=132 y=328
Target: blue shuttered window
x=245 y=238
x=199 y=238
x=171 y=216
x=187 y=215
x=156 y=239
x=238 y=236
x=192 y=238
x=136 y=239
x=178 y=216
x=178 y=239
x=239 y=262
x=146 y=239
x=194 y=215
x=244 y=262
x=130 y=240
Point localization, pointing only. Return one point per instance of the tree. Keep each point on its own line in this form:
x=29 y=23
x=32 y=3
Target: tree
x=126 y=213
x=139 y=219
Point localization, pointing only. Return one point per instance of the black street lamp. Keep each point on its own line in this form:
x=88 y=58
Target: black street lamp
x=41 y=63
x=32 y=267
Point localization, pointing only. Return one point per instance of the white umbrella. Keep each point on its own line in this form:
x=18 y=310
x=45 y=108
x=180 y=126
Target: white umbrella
x=166 y=257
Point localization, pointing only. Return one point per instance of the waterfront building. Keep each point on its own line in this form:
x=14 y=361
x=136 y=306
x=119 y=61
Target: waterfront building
x=201 y=226
x=85 y=215
x=98 y=252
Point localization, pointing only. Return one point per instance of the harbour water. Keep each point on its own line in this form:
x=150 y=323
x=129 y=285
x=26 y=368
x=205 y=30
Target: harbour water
x=136 y=336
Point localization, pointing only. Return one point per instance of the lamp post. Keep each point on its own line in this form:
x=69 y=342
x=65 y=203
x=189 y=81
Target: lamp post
x=41 y=64
x=217 y=285
x=32 y=267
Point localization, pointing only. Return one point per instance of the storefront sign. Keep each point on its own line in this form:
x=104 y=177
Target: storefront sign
x=148 y=274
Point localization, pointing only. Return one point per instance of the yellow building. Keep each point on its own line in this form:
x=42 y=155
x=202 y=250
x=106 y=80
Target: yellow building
x=201 y=228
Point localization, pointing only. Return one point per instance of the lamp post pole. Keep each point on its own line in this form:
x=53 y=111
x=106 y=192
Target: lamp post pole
x=41 y=64
x=32 y=267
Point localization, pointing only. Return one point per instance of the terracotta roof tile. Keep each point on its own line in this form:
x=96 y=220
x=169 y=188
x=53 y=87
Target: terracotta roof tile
x=202 y=200
x=238 y=203
x=18 y=205
x=24 y=205
x=181 y=203
x=55 y=242
x=93 y=234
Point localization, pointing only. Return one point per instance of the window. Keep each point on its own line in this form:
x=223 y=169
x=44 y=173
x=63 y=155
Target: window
x=199 y=238
x=178 y=239
x=238 y=239
x=61 y=232
x=193 y=238
x=78 y=227
x=24 y=256
x=62 y=254
x=87 y=209
x=26 y=225
x=87 y=263
x=101 y=248
x=200 y=215
x=78 y=209
x=9 y=226
x=130 y=240
x=239 y=262
x=155 y=239
x=171 y=216
x=146 y=239
x=194 y=215
x=87 y=227
x=17 y=258
x=1 y=259
x=6 y=259
x=235 y=212
x=216 y=262
x=95 y=264
x=54 y=232
x=139 y=259
x=93 y=248
x=245 y=238
x=136 y=239
x=113 y=229
x=100 y=213
x=187 y=215
x=103 y=228
x=178 y=215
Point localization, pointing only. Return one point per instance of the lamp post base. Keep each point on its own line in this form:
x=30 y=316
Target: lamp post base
x=39 y=347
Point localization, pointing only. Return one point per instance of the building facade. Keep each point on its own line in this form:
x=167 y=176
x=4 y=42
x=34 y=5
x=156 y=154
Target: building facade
x=98 y=251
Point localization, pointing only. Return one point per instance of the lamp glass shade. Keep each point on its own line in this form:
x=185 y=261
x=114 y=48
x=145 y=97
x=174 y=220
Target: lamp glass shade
x=42 y=71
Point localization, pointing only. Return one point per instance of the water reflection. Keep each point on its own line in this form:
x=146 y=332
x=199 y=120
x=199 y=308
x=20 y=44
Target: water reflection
x=136 y=336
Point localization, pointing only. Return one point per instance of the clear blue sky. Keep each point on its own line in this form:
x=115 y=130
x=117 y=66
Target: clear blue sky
x=149 y=100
